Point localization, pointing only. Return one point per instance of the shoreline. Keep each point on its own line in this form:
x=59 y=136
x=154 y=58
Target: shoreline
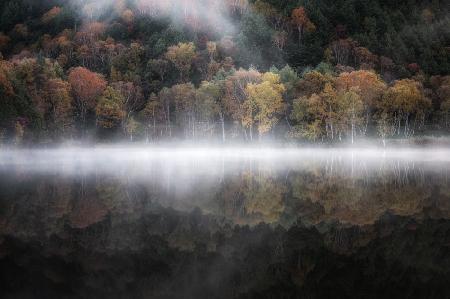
x=414 y=142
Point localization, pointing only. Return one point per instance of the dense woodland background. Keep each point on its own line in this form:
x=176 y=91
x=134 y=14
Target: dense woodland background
x=231 y=70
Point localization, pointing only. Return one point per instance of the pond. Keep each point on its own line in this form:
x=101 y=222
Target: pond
x=155 y=222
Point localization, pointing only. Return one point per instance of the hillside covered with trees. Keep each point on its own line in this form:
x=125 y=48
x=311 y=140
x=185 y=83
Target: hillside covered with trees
x=223 y=70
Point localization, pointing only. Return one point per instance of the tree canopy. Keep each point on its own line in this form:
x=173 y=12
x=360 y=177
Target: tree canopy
x=322 y=70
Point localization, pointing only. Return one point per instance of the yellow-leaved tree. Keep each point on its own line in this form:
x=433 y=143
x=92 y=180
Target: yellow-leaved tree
x=264 y=104
x=404 y=106
x=182 y=56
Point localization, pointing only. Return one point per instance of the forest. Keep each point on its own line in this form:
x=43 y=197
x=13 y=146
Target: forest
x=225 y=149
x=327 y=71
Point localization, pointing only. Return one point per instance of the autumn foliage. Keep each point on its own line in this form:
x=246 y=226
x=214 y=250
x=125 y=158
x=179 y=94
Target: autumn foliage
x=87 y=86
x=224 y=70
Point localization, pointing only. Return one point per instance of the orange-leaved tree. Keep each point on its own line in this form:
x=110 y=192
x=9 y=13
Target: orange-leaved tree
x=87 y=86
x=301 y=20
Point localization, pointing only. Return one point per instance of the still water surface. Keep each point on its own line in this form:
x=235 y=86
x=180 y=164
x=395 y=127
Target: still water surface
x=225 y=223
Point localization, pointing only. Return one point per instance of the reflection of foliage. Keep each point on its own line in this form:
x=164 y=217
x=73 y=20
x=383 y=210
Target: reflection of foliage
x=357 y=199
x=187 y=254
x=110 y=230
x=312 y=191
x=87 y=212
x=263 y=197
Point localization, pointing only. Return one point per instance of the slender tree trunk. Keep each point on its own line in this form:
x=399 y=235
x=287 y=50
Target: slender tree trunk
x=353 y=132
x=168 y=120
x=193 y=126
x=406 y=131
x=154 y=124
x=332 y=131
x=83 y=120
x=223 y=127
x=300 y=34
x=367 y=123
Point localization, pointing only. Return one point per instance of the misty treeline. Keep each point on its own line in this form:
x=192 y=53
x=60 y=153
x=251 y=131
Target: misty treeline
x=327 y=71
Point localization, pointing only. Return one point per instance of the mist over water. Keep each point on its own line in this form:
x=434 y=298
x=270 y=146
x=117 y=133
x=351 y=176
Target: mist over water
x=186 y=178
x=224 y=222
x=143 y=162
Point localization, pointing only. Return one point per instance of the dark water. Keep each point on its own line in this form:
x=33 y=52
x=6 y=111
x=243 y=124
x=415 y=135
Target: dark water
x=156 y=223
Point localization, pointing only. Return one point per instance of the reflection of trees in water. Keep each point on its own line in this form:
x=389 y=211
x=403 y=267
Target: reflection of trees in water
x=252 y=198
x=349 y=228
x=45 y=204
x=326 y=190
x=34 y=207
x=361 y=193
x=333 y=190
x=63 y=234
x=169 y=254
